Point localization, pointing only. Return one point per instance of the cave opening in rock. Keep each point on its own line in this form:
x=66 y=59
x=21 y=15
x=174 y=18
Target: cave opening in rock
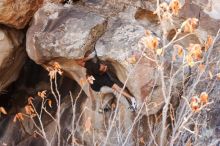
x=30 y=76
x=109 y=99
x=32 y=79
x=113 y=73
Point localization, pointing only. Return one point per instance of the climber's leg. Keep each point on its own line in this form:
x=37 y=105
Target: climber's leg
x=107 y=98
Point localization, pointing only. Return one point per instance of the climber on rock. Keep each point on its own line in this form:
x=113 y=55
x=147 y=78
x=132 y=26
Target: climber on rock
x=100 y=81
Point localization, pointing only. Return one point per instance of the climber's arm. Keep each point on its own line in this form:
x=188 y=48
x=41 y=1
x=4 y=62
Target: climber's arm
x=82 y=61
x=124 y=93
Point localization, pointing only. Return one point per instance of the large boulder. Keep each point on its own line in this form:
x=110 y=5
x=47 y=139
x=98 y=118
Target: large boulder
x=63 y=31
x=12 y=55
x=62 y=34
x=118 y=45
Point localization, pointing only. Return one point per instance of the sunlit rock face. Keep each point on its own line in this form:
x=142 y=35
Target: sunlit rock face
x=12 y=55
x=64 y=33
x=18 y=13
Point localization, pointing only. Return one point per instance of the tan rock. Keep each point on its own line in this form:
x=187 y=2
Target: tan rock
x=18 y=13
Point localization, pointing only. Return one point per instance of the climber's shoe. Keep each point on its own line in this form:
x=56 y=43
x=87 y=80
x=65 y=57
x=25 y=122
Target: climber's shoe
x=133 y=106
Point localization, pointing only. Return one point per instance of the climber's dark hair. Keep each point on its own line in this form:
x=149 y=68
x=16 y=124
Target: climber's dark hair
x=95 y=59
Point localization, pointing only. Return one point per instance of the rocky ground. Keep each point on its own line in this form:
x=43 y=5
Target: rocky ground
x=34 y=35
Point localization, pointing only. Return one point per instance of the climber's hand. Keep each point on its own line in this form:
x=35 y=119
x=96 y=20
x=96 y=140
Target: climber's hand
x=90 y=79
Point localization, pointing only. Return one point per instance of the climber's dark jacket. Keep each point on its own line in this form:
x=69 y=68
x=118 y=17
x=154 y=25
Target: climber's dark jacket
x=101 y=79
